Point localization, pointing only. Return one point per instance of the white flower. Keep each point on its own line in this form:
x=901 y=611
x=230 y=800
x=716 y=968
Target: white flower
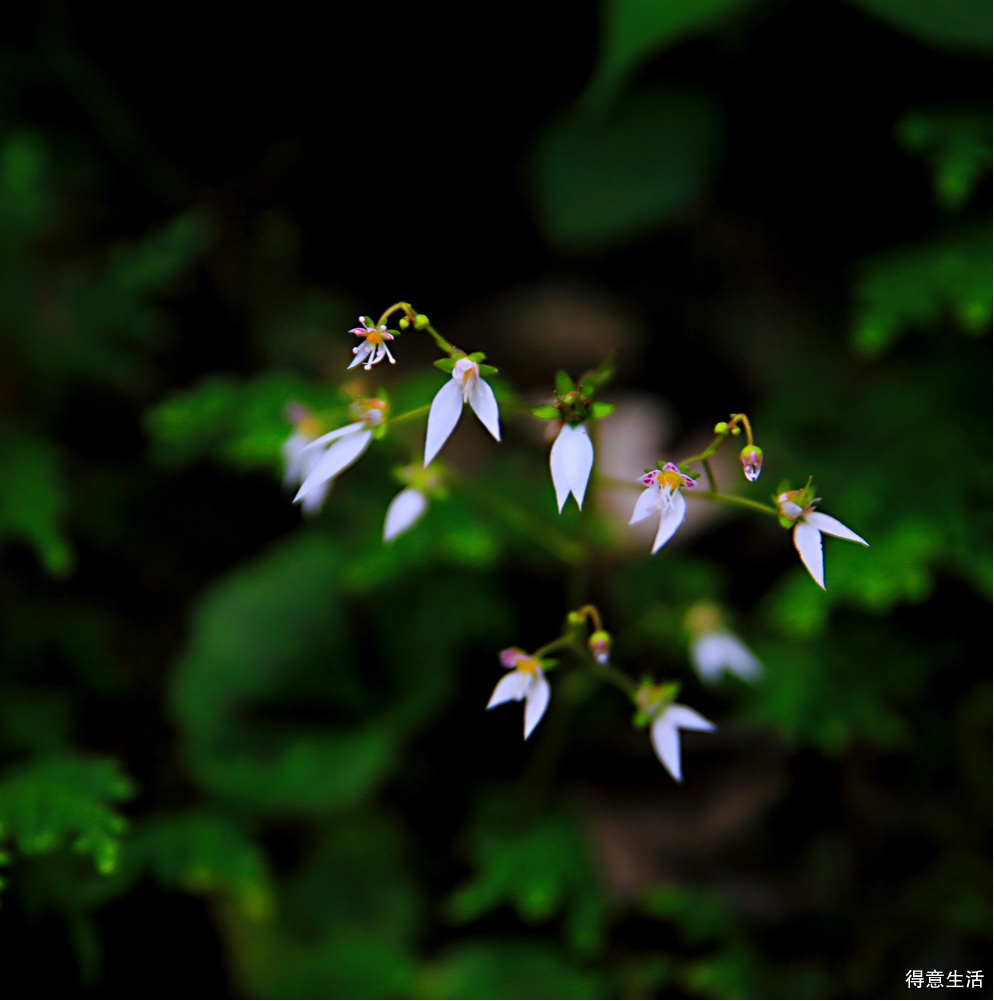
x=798 y=506
x=571 y=460
x=666 y=738
x=662 y=494
x=346 y=444
x=525 y=680
x=299 y=460
x=465 y=386
x=374 y=347
x=716 y=652
x=404 y=510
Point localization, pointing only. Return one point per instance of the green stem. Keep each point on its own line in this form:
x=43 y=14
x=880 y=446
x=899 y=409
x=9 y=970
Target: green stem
x=734 y=500
x=406 y=307
x=411 y=414
x=611 y=674
x=705 y=455
x=539 y=531
x=710 y=475
x=450 y=349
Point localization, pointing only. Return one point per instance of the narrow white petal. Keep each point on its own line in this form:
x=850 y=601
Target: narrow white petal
x=484 y=404
x=579 y=462
x=557 y=464
x=442 y=418
x=338 y=458
x=666 y=742
x=293 y=468
x=403 y=512
x=314 y=501
x=807 y=542
x=333 y=436
x=671 y=520
x=832 y=526
x=510 y=688
x=648 y=503
x=685 y=718
x=360 y=354
x=535 y=702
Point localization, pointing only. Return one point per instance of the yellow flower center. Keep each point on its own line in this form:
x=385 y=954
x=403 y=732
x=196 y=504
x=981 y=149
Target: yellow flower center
x=528 y=665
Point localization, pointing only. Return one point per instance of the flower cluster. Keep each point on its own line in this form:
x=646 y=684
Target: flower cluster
x=314 y=460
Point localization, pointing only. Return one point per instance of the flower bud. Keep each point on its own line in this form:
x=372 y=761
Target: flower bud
x=721 y=427
x=421 y=321
x=600 y=646
x=404 y=323
x=752 y=462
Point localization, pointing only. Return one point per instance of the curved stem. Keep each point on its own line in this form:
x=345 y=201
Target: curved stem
x=411 y=414
x=713 y=495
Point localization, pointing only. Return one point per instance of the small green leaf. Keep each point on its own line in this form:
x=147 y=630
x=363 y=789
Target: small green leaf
x=602 y=410
x=547 y=412
x=445 y=364
x=564 y=384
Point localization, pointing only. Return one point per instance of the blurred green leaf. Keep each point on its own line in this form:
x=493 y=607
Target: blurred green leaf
x=541 y=870
x=634 y=30
x=959 y=25
x=496 y=969
x=919 y=287
x=603 y=179
x=46 y=803
x=237 y=423
x=957 y=144
x=32 y=499
x=204 y=853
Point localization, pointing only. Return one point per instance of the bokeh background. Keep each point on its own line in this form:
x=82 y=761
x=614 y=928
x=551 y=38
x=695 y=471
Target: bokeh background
x=243 y=754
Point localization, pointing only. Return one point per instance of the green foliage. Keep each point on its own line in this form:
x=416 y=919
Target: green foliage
x=493 y=968
x=32 y=499
x=47 y=803
x=203 y=852
x=956 y=142
x=921 y=287
x=635 y=30
x=960 y=25
x=235 y=422
x=541 y=869
x=606 y=178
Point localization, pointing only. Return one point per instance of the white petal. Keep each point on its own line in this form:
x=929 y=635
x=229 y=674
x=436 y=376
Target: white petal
x=339 y=457
x=557 y=465
x=481 y=398
x=721 y=651
x=510 y=688
x=403 y=512
x=314 y=501
x=579 y=462
x=666 y=743
x=832 y=526
x=685 y=718
x=671 y=520
x=807 y=542
x=666 y=739
x=648 y=503
x=535 y=702
x=445 y=411
x=292 y=449
x=333 y=436
x=360 y=354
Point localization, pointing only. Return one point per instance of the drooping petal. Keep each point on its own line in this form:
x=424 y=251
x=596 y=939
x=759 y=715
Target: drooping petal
x=832 y=526
x=579 y=462
x=403 y=512
x=293 y=462
x=314 y=501
x=557 y=465
x=510 y=688
x=333 y=436
x=807 y=542
x=445 y=411
x=536 y=701
x=481 y=398
x=666 y=743
x=671 y=519
x=338 y=458
x=648 y=503
x=666 y=738
x=716 y=652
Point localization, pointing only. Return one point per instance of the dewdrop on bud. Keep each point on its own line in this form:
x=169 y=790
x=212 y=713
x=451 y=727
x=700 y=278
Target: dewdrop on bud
x=752 y=462
x=600 y=646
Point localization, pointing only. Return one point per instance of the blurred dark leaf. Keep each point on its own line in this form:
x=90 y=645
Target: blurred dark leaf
x=959 y=25
x=602 y=179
